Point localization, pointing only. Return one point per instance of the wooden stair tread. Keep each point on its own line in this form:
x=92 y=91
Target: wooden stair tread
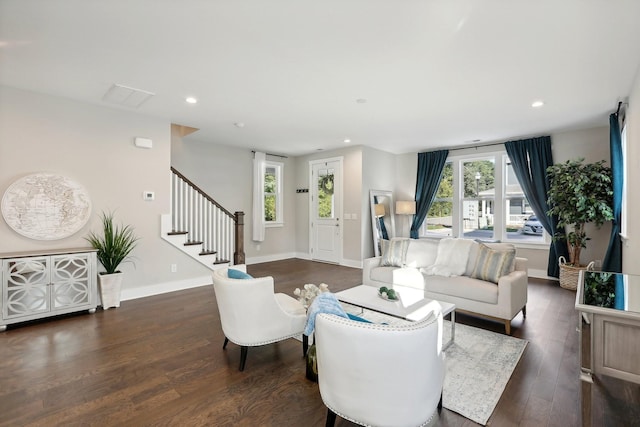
x=192 y=243
x=208 y=253
x=177 y=233
x=221 y=261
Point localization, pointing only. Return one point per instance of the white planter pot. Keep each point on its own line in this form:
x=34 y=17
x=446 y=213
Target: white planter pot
x=110 y=285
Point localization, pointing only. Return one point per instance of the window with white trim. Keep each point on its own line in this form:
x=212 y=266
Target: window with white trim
x=480 y=197
x=625 y=180
x=273 y=202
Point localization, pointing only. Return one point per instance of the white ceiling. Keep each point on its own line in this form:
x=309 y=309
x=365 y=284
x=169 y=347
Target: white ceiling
x=434 y=73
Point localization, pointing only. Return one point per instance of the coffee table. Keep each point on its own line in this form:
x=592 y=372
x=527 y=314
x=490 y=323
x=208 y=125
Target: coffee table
x=411 y=304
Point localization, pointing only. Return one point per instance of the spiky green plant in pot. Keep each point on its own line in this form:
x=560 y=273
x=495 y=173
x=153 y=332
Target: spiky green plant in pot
x=113 y=246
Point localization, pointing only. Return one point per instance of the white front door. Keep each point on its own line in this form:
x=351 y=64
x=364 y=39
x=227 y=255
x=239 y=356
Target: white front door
x=326 y=210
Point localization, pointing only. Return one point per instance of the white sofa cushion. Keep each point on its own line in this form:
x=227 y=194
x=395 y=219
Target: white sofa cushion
x=382 y=274
x=463 y=287
x=421 y=253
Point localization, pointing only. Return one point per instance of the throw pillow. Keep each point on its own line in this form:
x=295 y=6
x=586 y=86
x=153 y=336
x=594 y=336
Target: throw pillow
x=492 y=264
x=451 y=259
x=238 y=274
x=394 y=252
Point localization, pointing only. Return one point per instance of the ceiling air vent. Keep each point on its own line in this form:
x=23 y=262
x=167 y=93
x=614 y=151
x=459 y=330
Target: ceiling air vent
x=126 y=96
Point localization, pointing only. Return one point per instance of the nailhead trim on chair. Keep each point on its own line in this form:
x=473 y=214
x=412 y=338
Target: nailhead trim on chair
x=369 y=425
x=266 y=342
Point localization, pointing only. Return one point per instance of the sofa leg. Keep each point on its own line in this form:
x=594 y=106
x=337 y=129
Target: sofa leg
x=226 y=341
x=243 y=356
x=524 y=311
x=331 y=418
x=507 y=327
x=440 y=403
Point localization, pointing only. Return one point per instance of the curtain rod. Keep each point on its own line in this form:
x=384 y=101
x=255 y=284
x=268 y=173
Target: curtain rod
x=270 y=154
x=467 y=147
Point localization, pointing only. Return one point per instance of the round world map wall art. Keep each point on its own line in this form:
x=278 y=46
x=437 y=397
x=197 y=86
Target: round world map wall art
x=46 y=206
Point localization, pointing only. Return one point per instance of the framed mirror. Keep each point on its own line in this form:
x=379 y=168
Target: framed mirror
x=382 y=222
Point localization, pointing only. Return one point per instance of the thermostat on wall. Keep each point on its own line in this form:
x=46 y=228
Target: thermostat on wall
x=148 y=195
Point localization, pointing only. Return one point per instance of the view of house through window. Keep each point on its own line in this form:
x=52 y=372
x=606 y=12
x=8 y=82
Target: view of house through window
x=273 y=193
x=481 y=198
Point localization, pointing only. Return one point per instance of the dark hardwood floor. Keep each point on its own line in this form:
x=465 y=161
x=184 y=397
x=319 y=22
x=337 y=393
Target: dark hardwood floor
x=159 y=361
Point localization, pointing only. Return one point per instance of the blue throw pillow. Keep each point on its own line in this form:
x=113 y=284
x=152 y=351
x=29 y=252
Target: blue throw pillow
x=358 y=318
x=237 y=274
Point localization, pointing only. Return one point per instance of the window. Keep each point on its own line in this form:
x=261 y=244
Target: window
x=273 y=194
x=480 y=197
x=625 y=180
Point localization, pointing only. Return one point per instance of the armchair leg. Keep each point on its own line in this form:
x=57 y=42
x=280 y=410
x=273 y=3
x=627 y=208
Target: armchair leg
x=524 y=311
x=226 y=341
x=305 y=345
x=507 y=327
x=243 y=356
x=440 y=403
x=331 y=418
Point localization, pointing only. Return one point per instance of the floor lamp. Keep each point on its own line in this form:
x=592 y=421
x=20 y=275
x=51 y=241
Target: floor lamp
x=406 y=207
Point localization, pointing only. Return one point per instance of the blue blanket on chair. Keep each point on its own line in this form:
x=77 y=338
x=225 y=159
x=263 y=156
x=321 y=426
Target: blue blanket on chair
x=326 y=302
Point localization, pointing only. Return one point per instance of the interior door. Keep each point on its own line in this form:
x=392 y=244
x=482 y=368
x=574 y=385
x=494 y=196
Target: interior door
x=326 y=211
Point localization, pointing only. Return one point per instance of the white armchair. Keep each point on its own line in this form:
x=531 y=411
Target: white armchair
x=251 y=313
x=380 y=375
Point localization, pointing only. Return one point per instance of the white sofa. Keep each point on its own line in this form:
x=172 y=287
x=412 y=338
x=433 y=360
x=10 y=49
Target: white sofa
x=424 y=266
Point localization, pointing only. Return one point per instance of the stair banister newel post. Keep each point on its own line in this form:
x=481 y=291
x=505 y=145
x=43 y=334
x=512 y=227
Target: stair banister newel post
x=238 y=255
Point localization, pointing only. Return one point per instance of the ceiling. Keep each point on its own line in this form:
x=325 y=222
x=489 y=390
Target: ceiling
x=300 y=75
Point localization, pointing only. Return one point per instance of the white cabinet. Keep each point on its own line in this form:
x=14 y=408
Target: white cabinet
x=43 y=284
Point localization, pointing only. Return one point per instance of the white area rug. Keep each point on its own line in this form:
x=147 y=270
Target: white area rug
x=479 y=364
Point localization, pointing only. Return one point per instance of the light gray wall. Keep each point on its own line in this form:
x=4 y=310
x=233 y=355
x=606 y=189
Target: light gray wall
x=93 y=145
x=226 y=174
x=592 y=144
x=352 y=202
x=631 y=246
x=378 y=173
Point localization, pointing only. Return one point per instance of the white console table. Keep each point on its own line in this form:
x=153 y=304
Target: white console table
x=608 y=306
x=38 y=284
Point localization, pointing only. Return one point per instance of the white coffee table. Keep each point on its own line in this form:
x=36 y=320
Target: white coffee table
x=411 y=305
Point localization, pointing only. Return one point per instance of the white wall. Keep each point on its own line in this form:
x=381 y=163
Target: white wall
x=93 y=145
x=226 y=174
x=631 y=246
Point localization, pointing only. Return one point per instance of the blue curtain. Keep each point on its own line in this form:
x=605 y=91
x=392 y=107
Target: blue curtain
x=613 y=258
x=530 y=159
x=430 y=166
x=383 y=229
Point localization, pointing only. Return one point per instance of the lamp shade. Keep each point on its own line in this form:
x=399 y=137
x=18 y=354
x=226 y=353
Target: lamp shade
x=407 y=207
x=379 y=210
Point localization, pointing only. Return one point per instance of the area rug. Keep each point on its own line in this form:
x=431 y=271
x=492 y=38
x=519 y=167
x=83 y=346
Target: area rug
x=479 y=364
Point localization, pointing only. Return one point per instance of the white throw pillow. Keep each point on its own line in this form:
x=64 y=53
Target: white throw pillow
x=421 y=253
x=451 y=259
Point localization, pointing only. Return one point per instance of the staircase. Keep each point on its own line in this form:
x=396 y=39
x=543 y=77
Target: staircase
x=202 y=228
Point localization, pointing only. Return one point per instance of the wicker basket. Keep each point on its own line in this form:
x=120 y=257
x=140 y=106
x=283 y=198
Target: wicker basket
x=569 y=274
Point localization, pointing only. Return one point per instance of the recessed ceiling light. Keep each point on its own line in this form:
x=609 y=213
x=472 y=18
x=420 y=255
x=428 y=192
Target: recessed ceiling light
x=191 y=100
x=361 y=101
x=537 y=104
x=239 y=124
x=347 y=140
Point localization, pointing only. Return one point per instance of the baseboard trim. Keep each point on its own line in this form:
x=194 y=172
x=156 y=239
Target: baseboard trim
x=270 y=258
x=163 y=288
x=539 y=274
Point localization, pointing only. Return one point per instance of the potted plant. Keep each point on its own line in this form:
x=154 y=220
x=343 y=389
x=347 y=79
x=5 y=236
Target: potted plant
x=114 y=246
x=579 y=194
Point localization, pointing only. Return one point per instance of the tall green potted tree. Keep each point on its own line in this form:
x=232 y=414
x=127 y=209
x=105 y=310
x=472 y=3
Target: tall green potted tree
x=114 y=246
x=579 y=193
